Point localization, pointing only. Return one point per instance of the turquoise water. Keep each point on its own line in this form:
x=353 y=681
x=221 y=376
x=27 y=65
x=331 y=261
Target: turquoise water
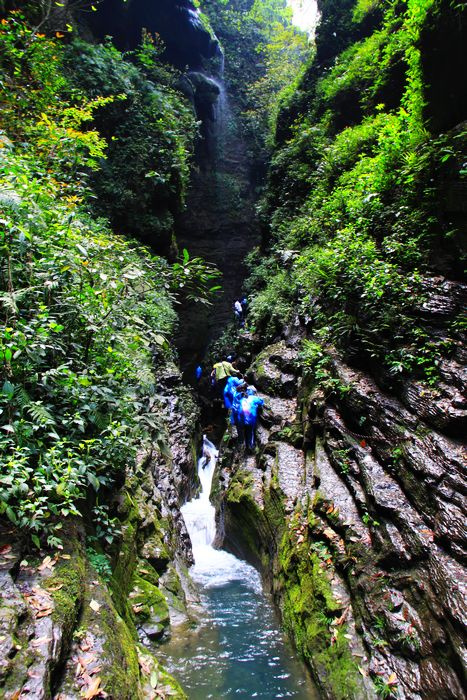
x=238 y=649
x=238 y=652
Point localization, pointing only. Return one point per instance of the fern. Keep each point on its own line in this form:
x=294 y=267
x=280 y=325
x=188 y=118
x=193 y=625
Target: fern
x=9 y=300
x=99 y=419
x=22 y=397
x=40 y=414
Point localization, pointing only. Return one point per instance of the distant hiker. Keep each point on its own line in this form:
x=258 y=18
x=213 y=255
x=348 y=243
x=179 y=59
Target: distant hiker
x=250 y=406
x=238 y=311
x=198 y=372
x=221 y=371
x=244 y=303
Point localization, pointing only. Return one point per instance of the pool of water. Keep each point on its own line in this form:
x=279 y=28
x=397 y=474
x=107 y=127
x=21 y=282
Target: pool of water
x=238 y=650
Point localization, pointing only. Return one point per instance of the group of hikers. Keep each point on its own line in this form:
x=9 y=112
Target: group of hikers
x=228 y=385
x=240 y=399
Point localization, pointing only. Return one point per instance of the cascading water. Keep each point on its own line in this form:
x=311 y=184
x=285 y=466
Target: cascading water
x=238 y=650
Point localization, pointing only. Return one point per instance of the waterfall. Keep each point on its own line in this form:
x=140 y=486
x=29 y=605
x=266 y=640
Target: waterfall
x=237 y=649
x=199 y=514
x=213 y=568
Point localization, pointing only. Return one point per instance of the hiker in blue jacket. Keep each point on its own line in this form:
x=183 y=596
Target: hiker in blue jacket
x=231 y=385
x=250 y=406
x=239 y=393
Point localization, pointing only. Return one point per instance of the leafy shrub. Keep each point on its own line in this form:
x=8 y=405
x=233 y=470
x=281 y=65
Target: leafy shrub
x=83 y=311
x=359 y=205
x=141 y=183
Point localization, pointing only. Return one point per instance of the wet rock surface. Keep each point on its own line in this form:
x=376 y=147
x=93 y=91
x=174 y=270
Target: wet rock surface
x=366 y=486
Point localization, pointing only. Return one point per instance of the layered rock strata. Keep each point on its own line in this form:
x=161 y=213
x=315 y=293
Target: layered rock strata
x=353 y=505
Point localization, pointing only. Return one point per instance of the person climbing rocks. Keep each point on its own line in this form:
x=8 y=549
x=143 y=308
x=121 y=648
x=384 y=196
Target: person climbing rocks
x=221 y=371
x=250 y=406
x=230 y=386
x=239 y=393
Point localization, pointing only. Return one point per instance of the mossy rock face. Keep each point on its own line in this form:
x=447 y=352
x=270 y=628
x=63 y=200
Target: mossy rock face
x=240 y=486
x=103 y=640
x=40 y=603
x=150 y=609
x=156 y=682
x=156 y=552
x=271 y=371
x=312 y=617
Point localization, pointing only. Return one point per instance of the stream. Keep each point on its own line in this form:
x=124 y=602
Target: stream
x=238 y=650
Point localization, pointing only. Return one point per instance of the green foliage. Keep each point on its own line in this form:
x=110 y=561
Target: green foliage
x=273 y=306
x=83 y=311
x=383 y=688
x=100 y=562
x=150 y=134
x=195 y=277
x=264 y=54
x=352 y=194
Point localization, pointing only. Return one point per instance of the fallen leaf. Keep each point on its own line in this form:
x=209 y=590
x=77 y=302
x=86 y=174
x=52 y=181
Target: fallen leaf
x=137 y=608
x=342 y=618
x=55 y=588
x=330 y=534
x=45 y=612
x=363 y=672
x=65 y=556
x=94 y=605
x=362 y=443
x=48 y=563
x=16 y=695
x=93 y=689
x=392 y=680
x=5 y=549
x=144 y=665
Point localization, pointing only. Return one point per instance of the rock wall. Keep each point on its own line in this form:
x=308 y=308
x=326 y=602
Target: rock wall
x=354 y=507
x=68 y=625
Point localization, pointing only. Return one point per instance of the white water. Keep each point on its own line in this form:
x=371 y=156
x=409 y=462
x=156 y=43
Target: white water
x=213 y=568
x=237 y=650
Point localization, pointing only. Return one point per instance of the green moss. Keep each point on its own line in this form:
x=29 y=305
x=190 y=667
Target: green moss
x=68 y=580
x=123 y=571
x=308 y=605
x=240 y=486
x=120 y=674
x=148 y=603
